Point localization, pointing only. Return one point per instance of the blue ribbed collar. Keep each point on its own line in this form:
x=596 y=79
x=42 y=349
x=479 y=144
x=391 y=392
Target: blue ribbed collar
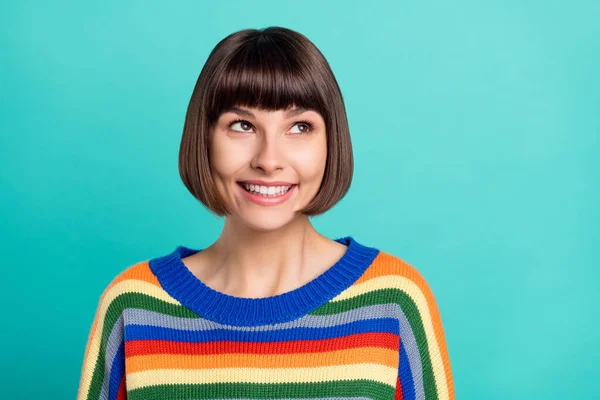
x=177 y=280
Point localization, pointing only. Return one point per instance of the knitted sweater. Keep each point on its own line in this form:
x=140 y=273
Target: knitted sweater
x=366 y=328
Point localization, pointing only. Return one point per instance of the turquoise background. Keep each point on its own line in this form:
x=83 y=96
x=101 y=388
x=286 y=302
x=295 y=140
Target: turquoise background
x=475 y=128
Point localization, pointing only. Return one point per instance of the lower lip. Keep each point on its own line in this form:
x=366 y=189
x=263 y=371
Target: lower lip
x=267 y=201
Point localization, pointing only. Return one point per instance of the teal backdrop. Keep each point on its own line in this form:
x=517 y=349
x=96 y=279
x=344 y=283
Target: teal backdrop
x=475 y=128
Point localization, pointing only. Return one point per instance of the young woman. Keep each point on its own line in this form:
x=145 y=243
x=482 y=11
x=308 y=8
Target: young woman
x=272 y=309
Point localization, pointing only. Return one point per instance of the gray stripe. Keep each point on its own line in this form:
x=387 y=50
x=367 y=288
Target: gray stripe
x=115 y=339
x=414 y=359
x=153 y=318
x=390 y=310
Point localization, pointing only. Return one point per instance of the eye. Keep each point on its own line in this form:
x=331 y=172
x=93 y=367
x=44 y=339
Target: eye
x=305 y=127
x=244 y=125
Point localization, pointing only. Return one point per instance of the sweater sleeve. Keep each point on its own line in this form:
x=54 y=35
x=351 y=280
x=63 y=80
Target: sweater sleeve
x=103 y=370
x=424 y=366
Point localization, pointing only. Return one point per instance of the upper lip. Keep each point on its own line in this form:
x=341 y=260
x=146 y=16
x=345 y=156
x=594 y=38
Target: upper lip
x=263 y=183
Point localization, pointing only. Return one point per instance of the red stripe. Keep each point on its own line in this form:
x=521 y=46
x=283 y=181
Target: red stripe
x=398 y=395
x=370 y=339
x=122 y=393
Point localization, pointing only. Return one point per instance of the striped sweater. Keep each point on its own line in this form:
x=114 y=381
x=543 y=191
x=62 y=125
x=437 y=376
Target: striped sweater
x=366 y=328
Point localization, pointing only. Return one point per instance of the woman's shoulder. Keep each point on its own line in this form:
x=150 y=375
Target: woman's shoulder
x=408 y=286
x=395 y=264
x=133 y=280
x=132 y=275
x=396 y=271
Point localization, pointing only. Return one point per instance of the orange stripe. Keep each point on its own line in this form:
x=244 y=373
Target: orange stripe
x=373 y=355
x=387 y=264
x=140 y=271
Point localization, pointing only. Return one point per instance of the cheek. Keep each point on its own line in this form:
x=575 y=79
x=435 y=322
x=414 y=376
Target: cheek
x=226 y=157
x=310 y=162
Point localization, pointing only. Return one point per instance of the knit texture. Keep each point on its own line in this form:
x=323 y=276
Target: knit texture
x=366 y=328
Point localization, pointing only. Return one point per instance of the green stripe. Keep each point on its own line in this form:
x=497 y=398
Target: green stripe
x=383 y=296
x=351 y=388
x=110 y=318
x=114 y=310
x=409 y=307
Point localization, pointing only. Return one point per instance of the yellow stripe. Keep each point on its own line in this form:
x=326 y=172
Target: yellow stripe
x=375 y=372
x=129 y=285
x=412 y=290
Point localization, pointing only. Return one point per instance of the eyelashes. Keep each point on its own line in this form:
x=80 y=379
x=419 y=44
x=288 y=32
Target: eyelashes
x=309 y=124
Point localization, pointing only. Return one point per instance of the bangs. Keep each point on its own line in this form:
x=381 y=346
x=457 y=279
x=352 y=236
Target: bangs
x=267 y=75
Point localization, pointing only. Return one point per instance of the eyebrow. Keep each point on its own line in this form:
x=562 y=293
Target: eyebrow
x=246 y=113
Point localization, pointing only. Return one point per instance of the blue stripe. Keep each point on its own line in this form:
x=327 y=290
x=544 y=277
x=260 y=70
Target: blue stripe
x=406 y=379
x=177 y=280
x=117 y=372
x=147 y=332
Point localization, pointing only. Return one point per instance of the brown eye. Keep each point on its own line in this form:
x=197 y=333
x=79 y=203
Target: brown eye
x=303 y=127
x=243 y=124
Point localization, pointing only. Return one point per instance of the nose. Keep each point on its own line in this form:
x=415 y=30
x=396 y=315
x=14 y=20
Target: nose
x=268 y=157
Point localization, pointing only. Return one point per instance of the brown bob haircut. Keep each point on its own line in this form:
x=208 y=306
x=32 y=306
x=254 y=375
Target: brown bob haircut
x=271 y=69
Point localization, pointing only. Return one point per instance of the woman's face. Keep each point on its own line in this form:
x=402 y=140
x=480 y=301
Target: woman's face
x=268 y=165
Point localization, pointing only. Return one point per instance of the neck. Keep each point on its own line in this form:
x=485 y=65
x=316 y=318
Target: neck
x=250 y=263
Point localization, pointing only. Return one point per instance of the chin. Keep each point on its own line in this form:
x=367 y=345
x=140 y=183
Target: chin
x=267 y=220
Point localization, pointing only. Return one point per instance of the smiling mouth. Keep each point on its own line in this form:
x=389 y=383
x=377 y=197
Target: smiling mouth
x=265 y=191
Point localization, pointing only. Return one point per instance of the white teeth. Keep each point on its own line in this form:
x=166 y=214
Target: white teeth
x=266 y=191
